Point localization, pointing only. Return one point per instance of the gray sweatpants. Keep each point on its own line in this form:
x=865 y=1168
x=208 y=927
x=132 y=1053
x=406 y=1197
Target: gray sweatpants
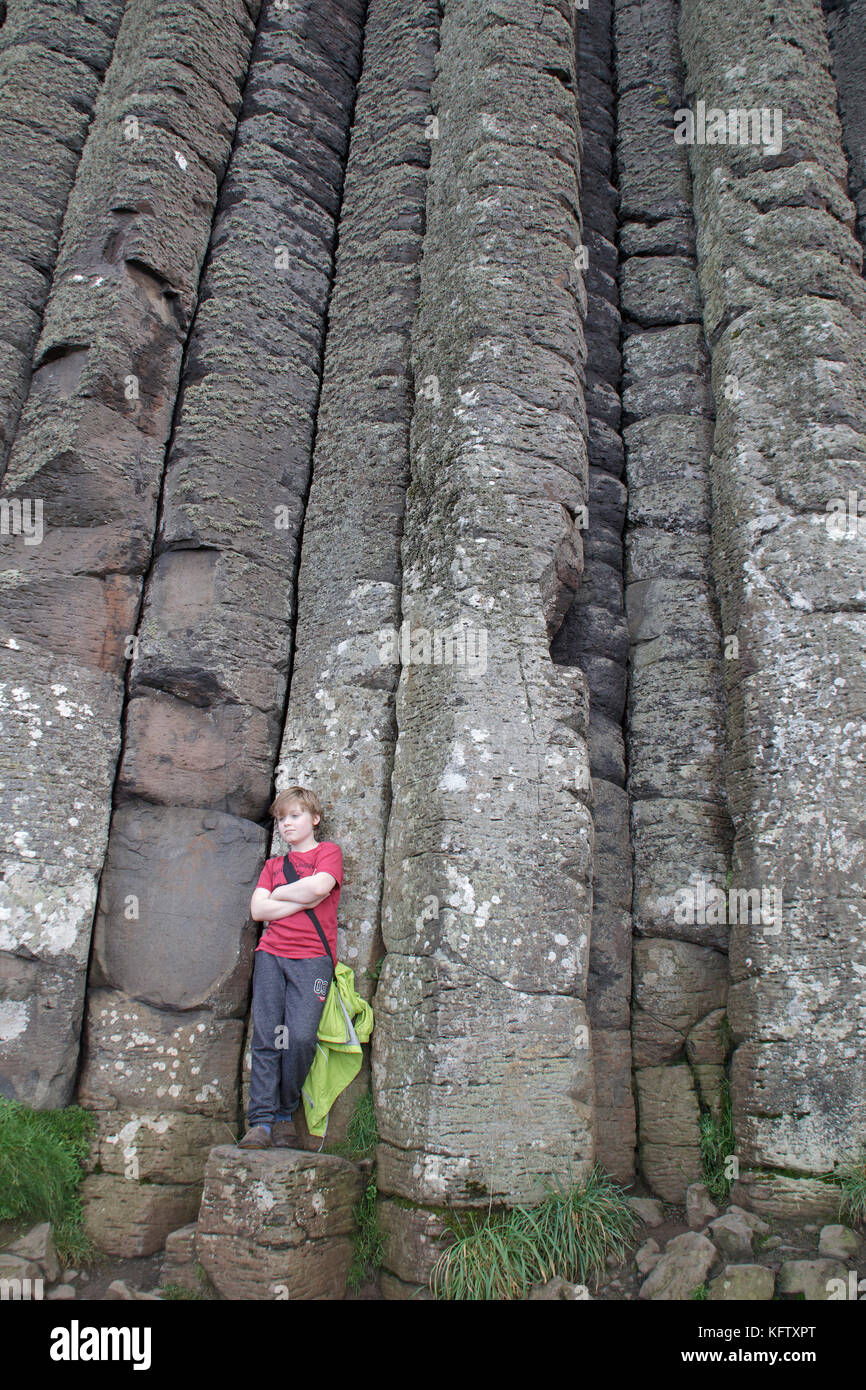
x=288 y=998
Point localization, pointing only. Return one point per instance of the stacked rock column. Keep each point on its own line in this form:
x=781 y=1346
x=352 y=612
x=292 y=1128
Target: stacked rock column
x=339 y=733
x=784 y=310
x=90 y=450
x=482 y=1064
x=172 y=946
x=594 y=635
x=53 y=58
x=675 y=707
x=846 y=31
x=340 y=729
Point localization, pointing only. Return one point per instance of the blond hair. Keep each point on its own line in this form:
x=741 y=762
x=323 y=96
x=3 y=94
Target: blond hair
x=302 y=795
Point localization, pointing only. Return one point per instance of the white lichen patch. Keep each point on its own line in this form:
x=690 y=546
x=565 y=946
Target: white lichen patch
x=262 y=1196
x=14 y=1017
x=451 y=778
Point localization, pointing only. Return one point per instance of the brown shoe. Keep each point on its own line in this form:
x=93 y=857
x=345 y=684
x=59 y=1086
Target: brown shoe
x=284 y=1135
x=256 y=1138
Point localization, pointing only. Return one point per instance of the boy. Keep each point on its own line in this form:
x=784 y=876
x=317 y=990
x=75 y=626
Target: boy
x=292 y=970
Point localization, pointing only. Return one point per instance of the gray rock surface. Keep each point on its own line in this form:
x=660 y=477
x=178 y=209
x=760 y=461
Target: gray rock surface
x=90 y=448
x=732 y=1235
x=329 y=323
x=276 y=1224
x=846 y=31
x=19 y=1267
x=777 y=313
x=669 y=1148
x=754 y=1223
x=52 y=62
x=179 y=1264
x=685 y=1264
x=339 y=731
x=811 y=1278
x=648 y=1256
x=163 y=1085
x=674 y=717
x=593 y=635
x=499 y=471
x=208 y=679
x=745 y=1283
x=839 y=1242
x=772 y=1195
x=700 y=1208
x=413 y=1240
x=38 y=1245
x=649 y=1209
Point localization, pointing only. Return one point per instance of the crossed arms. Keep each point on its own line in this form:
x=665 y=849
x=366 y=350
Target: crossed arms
x=289 y=898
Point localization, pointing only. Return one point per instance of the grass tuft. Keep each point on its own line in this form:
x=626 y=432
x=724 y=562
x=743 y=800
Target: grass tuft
x=569 y=1234
x=362 y=1134
x=852 y=1184
x=496 y=1259
x=41 y=1153
x=367 y=1239
x=180 y=1292
x=717 y=1145
x=362 y=1137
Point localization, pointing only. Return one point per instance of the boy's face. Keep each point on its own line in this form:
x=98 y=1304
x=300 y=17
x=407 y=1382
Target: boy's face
x=295 y=823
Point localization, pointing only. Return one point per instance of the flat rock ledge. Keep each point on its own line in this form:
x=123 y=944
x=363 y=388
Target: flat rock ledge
x=277 y=1224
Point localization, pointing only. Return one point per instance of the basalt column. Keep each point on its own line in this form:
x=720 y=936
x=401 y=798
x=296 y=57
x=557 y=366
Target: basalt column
x=594 y=635
x=90 y=452
x=675 y=719
x=52 y=61
x=482 y=1064
x=340 y=732
x=846 y=31
x=172 y=945
x=784 y=310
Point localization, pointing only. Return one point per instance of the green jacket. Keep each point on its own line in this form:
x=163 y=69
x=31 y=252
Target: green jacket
x=346 y=1023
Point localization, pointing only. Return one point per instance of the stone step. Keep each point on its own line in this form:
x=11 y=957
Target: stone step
x=277 y=1223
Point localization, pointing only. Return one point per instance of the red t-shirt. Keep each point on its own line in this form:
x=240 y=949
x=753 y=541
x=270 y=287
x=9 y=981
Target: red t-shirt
x=295 y=936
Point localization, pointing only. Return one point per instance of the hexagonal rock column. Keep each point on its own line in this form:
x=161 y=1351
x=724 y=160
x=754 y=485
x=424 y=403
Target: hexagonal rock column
x=53 y=58
x=208 y=682
x=846 y=31
x=168 y=990
x=482 y=1060
x=277 y=1224
x=90 y=453
x=339 y=732
x=594 y=635
x=675 y=712
x=163 y=1085
x=784 y=312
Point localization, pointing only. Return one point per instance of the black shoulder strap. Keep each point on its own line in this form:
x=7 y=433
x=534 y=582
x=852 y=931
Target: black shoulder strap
x=292 y=876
